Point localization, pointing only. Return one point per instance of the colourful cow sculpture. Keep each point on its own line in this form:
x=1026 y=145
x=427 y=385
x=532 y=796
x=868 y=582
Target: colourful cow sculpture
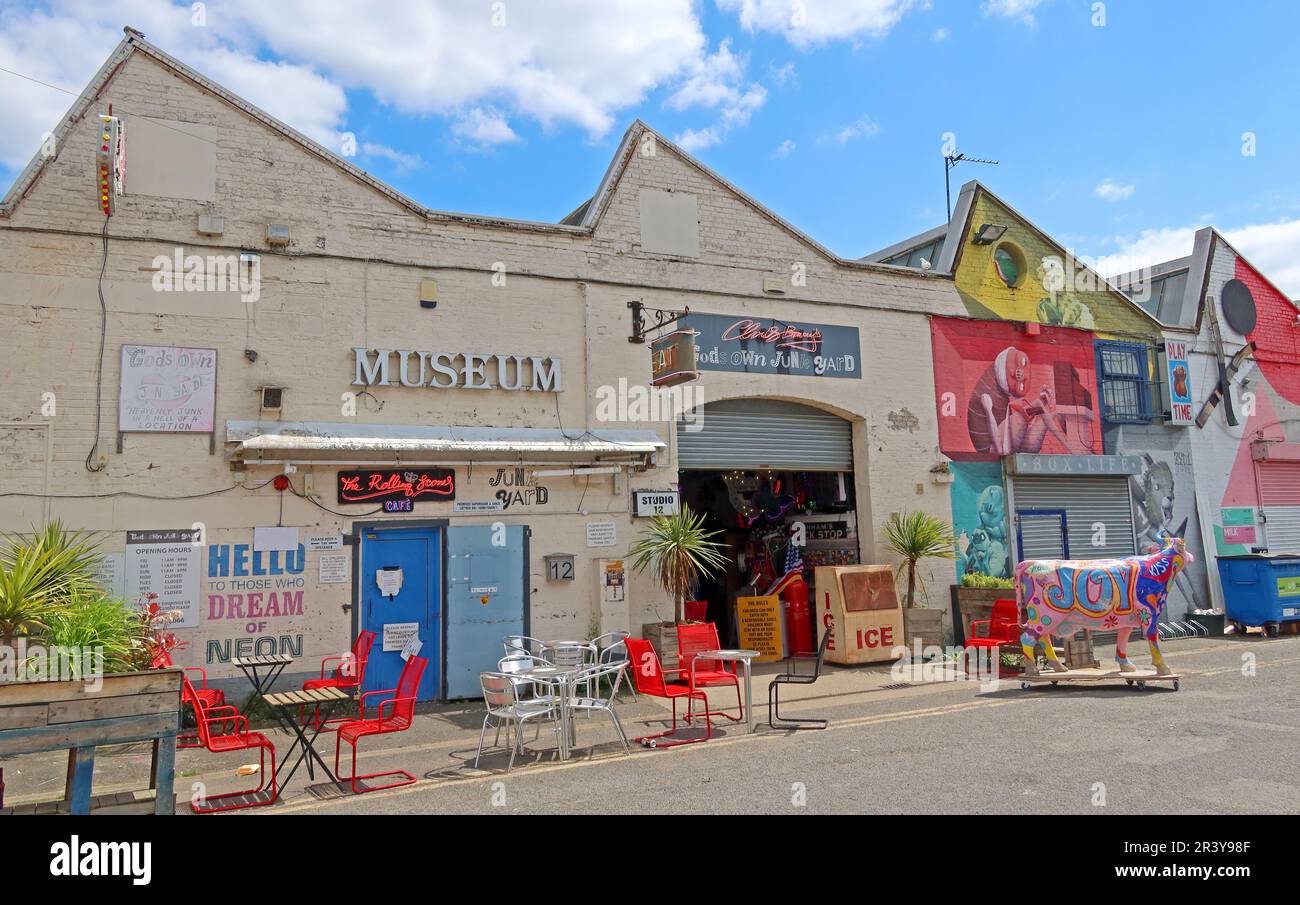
x=1059 y=597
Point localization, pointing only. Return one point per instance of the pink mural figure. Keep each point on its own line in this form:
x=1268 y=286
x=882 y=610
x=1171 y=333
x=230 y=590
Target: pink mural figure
x=1059 y=597
x=1012 y=420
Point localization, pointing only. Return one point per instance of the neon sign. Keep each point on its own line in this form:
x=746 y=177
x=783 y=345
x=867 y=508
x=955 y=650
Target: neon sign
x=397 y=488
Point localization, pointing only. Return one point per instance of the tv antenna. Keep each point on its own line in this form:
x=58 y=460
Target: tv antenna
x=950 y=161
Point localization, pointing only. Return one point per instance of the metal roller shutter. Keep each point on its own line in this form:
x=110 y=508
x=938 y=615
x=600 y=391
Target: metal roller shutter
x=1086 y=501
x=765 y=433
x=1279 y=488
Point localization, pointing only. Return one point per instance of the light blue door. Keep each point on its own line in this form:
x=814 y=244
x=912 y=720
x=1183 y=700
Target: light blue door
x=417 y=604
x=487 y=598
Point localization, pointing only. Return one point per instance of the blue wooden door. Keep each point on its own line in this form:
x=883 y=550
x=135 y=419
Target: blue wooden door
x=417 y=552
x=487 y=598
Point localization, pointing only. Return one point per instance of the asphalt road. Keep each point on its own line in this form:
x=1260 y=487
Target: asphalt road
x=1228 y=742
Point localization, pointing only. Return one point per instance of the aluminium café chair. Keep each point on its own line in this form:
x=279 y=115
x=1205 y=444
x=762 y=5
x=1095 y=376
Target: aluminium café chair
x=571 y=655
x=522 y=644
x=528 y=691
x=223 y=729
x=400 y=714
x=611 y=649
x=594 y=677
x=649 y=677
x=505 y=707
x=792 y=676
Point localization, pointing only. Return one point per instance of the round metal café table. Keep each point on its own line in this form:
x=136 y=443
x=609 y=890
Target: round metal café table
x=734 y=655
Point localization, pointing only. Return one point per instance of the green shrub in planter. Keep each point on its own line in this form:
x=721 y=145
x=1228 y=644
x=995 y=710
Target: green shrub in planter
x=982 y=581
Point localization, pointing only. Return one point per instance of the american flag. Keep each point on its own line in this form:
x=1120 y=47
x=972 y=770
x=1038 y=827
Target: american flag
x=793 y=568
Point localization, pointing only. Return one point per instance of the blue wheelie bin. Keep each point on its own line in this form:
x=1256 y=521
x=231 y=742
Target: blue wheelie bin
x=1261 y=589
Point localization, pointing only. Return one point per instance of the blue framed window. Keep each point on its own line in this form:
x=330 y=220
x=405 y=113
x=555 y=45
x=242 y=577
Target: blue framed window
x=1125 y=383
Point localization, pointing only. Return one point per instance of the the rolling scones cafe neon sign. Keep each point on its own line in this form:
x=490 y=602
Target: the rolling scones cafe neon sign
x=397 y=488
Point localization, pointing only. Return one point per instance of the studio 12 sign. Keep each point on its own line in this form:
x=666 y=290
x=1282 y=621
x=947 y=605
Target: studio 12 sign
x=397 y=488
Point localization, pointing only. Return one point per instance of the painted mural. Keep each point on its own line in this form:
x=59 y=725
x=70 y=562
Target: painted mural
x=1265 y=396
x=1164 y=501
x=1000 y=391
x=979 y=518
x=1023 y=276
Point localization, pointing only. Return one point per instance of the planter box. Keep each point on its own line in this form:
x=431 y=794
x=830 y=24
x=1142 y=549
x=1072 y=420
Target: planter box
x=974 y=603
x=924 y=625
x=126 y=707
x=664 y=638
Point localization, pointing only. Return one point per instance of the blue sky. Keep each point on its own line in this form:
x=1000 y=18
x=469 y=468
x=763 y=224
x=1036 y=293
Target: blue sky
x=1119 y=139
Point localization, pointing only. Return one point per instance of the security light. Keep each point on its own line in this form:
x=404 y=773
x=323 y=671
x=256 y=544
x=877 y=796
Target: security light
x=988 y=233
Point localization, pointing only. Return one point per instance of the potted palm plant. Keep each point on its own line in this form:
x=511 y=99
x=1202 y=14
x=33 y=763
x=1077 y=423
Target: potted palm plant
x=914 y=536
x=677 y=550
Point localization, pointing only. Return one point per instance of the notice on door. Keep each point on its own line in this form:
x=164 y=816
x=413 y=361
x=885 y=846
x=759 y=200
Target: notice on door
x=397 y=635
x=165 y=564
x=758 y=620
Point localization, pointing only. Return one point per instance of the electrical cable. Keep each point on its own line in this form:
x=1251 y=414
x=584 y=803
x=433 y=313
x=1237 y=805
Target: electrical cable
x=321 y=506
x=91 y=466
x=131 y=493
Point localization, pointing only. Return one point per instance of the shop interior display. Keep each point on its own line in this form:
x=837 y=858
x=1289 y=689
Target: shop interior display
x=755 y=512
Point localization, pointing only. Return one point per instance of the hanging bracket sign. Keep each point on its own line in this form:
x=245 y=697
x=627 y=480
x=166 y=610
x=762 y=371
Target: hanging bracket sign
x=672 y=359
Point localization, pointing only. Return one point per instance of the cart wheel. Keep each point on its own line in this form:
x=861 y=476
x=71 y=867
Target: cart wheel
x=1271 y=629
x=1142 y=684
x=1054 y=682
x=1238 y=628
x=1129 y=682
x=1024 y=686
x=1175 y=684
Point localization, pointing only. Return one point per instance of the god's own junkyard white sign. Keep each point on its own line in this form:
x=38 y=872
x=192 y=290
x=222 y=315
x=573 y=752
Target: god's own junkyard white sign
x=168 y=389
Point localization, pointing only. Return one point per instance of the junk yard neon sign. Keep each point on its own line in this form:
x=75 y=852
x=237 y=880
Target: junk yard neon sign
x=448 y=370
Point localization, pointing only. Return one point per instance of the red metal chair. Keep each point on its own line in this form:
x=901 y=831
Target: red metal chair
x=208 y=697
x=691 y=640
x=1002 y=628
x=401 y=711
x=648 y=677
x=349 y=674
x=223 y=729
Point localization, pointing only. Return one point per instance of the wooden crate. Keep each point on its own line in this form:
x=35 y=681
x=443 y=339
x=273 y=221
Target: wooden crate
x=81 y=715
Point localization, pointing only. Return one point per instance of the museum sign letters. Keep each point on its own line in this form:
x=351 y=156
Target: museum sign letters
x=448 y=370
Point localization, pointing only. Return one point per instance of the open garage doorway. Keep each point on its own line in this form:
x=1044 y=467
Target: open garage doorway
x=755 y=468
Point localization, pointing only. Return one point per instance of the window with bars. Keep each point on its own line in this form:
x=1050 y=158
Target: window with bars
x=1124 y=381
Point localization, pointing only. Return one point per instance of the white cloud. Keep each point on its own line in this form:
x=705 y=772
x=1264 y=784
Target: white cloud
x=403 y=161
x=941 y=34
x=784 y=149
x=1272 y=247
x=1110 y=190
x=807 y=23
x=563 y=61
x=694 y=140
x=483 y=128
x=782 y=74
x=862 y=127
x=1021 y=10
x=715 y=82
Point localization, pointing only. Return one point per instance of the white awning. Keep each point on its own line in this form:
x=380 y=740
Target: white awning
x=276 y=442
